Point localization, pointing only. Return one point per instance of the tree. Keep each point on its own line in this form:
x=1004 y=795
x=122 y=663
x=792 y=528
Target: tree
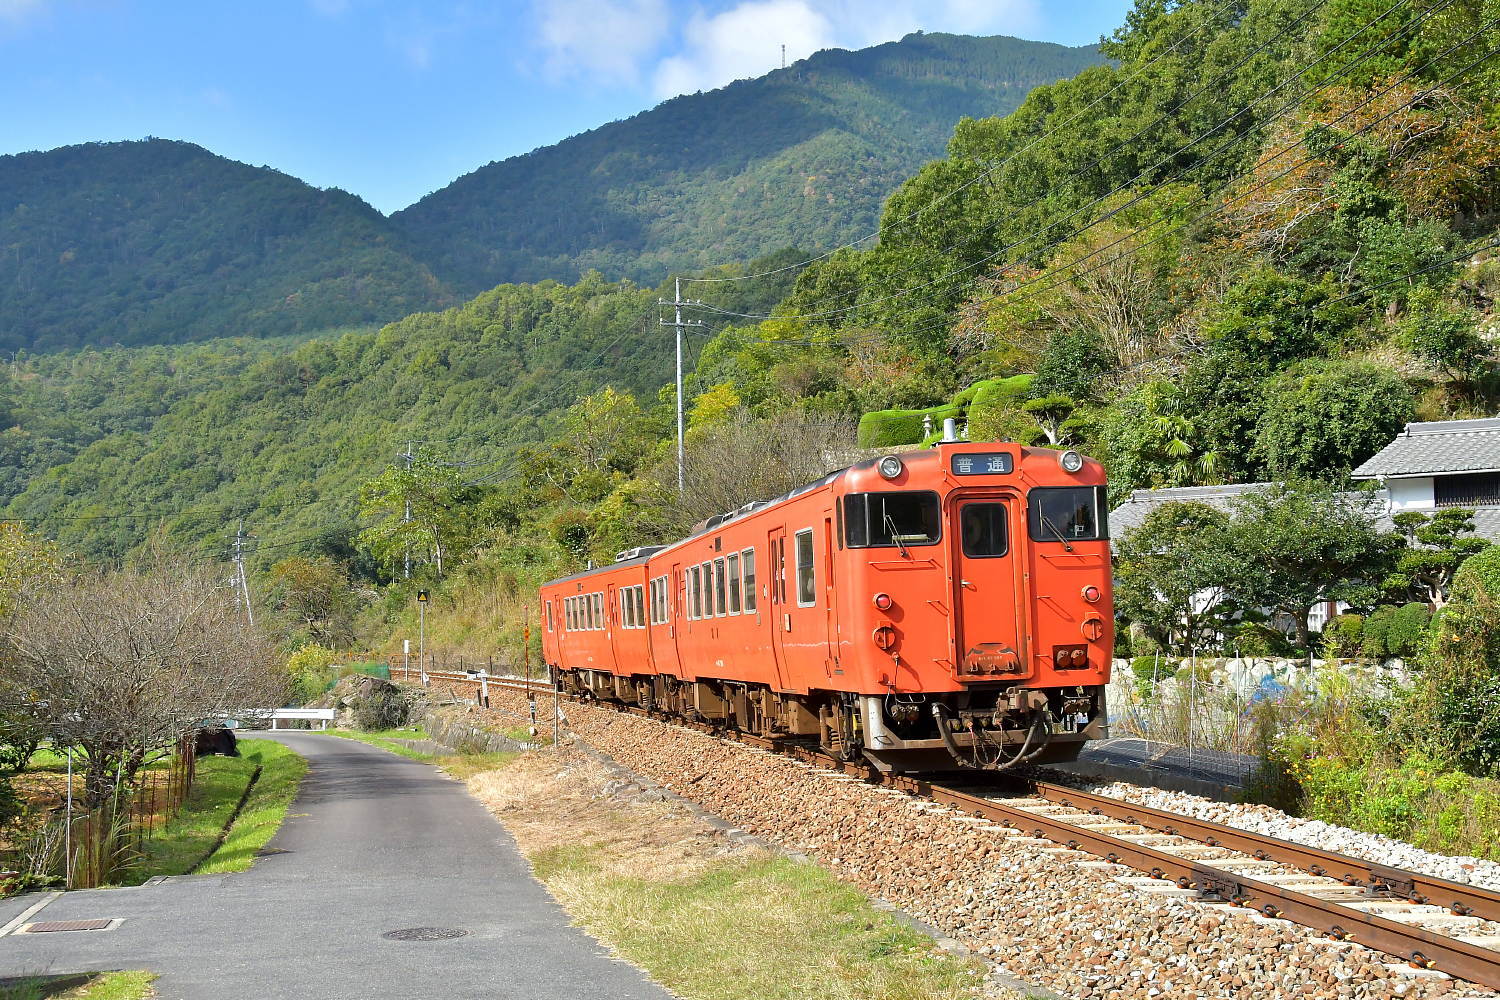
x=1324 y=417
x=424 y=509
x=1052 y=415
x=1171 y=573
x=128 y=662
x=1434 y=552
x=1301 y=542
x=314 y=594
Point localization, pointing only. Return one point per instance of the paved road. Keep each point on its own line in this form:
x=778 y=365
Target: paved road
x=373 y=843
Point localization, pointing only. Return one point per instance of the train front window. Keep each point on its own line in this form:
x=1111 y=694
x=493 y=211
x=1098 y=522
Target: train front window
x=983 y=528
x=873 y=520
x=1067 y=513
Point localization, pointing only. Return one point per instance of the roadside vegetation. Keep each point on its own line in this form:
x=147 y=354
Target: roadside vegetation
x=220 y=828
x=459 y=765
x=662 y=888
x=93 y=986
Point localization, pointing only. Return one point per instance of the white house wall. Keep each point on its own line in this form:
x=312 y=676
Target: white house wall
x=1410 y=494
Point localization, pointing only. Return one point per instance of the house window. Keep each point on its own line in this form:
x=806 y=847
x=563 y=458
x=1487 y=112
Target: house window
x=1474 y=489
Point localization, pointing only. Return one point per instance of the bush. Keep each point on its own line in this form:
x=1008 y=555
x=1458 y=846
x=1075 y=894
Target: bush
x=888 y=428
x=380 y=710
x=1377 y=627
x=1258 y=639
x=1407 y=634
x=1147 y=670
x=1072 y=364
x=1478 y=575
x=1344 y=635
x=309 y=670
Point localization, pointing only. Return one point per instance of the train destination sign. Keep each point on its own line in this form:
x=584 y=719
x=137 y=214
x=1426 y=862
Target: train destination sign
x=991 y=464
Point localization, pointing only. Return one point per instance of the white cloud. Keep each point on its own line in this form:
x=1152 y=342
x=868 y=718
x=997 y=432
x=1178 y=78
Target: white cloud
x=607 y=40
x=745 y=39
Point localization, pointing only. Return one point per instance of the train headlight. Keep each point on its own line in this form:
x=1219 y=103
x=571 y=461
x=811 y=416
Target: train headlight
x=883 y=602
x=890 y=466
x=1070 y=460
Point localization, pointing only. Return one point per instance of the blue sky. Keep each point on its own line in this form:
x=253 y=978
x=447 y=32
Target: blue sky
x=392 y=99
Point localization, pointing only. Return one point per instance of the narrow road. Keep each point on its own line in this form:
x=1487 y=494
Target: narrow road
x=373 y=843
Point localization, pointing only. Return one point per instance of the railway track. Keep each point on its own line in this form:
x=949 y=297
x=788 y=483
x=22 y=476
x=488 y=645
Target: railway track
x=1425 y=921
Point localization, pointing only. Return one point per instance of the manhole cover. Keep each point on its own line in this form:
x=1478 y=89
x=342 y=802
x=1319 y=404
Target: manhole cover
x=425 y=934
x=48 y=926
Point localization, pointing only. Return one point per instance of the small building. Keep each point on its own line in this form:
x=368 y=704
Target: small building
x=1439 y=464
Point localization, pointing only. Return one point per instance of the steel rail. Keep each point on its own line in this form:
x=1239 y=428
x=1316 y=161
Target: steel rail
x=1420 y=948
x=1381 y=880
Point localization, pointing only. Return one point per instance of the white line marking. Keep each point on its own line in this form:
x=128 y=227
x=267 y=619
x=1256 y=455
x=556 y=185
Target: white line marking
x=29 y=912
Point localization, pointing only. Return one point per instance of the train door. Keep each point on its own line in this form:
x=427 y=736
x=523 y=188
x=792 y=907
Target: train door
x=611 y=623
x=987 y=579
x=825 y=585
x=778 y=616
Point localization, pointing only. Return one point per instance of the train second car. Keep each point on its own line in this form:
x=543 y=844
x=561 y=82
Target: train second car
x=949 y=606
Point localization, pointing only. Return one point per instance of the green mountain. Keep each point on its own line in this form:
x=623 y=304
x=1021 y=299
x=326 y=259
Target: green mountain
x=163 y=242
x=801 y=156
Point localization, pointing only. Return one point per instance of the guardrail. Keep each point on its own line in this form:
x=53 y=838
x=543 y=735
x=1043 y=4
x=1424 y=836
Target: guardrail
x=274 y=715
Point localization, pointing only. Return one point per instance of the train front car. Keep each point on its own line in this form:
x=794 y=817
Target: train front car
x=976 y=599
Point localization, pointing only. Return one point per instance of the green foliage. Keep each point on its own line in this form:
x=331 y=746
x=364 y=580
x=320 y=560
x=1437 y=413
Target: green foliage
x=136 y=243
x=1444 y=336
x=1276 y=319
x=381 y=709
x=1323 y=418
x=309 y=670
x=1072 y=364
x=1438 y=545
x=887 y=428
x=797 y=157
x=1479 y=576
x=1171 y=570
x=1343 y=635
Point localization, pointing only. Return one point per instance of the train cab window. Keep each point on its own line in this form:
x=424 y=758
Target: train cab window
x=874 y=520
x=747 y=560
x=984 y=530
x=1067 y=513
x=733 y=562
x=807 y=587
x=720 y=607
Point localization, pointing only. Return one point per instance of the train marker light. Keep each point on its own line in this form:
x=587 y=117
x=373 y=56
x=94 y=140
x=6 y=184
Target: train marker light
x=1091 y=594
x=883 y=602
x=890 y=466
x=1070 y=460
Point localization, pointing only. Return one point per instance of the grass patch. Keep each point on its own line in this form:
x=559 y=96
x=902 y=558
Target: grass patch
x=98 y=986
x=192 y=833
x=462 y=766
x=707 y=920
x=281 y=774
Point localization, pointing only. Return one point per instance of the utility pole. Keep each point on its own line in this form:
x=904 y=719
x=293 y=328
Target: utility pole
x=406 y=517
x=239 y=569
x=783 y=55
x=680 y=324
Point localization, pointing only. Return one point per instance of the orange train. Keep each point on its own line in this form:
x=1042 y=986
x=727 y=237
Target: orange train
x=944 y=607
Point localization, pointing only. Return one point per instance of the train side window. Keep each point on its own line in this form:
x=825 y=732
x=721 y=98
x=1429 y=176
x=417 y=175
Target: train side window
x=599 y=612
x=640 y=605
x=720 y=607
x=733 y=562
x=549 y=615
x=697 y=607
x=747 y=560
x=567 y=614
x=984 y=530
x=807 y=585
x=625 y=607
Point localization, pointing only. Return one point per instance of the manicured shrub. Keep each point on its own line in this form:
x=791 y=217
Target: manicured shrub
x=1407 y=634
x=1377 y=629
x=1344 y=635
x=1479 y=575
x=888 y=428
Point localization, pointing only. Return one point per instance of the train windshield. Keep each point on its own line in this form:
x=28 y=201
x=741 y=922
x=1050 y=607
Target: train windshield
x=891 y=519
x=1067 y=513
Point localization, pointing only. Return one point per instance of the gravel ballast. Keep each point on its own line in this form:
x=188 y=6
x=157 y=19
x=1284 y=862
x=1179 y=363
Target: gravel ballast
x=1030 y=908
x=1309 y=832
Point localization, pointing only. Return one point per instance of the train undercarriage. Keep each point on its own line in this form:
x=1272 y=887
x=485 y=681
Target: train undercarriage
x=986 y=727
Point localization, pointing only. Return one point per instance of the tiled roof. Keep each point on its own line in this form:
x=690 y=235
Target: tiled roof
x=1134 y=510
x=1441 y=446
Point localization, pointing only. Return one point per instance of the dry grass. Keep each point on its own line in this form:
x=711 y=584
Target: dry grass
x=708 y=918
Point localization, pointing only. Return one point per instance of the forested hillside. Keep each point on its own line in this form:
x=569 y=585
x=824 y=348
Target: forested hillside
x=802 y=156
x=164 y=242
